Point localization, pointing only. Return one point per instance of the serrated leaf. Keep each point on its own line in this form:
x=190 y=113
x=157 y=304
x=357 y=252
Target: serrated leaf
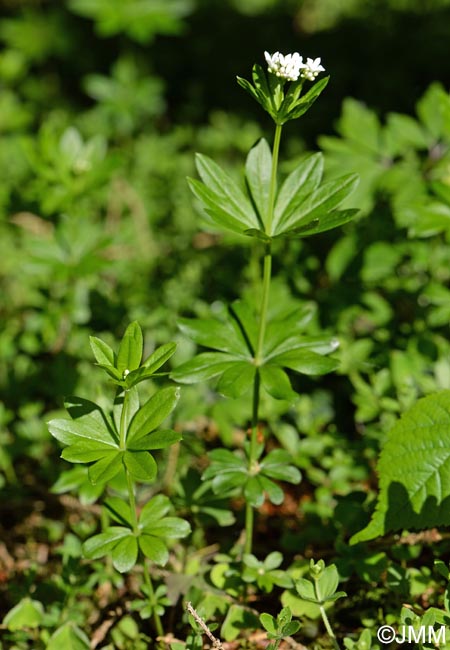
x=202 y=367
x=258 y=170
x=414 y=471
x=130 y=350
x=141 y=465
x=301 y=181
x=125 y=553
x=103 y=354
x=152 y=413
x=237 y=379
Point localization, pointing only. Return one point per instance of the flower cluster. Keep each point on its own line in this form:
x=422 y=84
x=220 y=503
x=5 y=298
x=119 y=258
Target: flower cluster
x=291 y=66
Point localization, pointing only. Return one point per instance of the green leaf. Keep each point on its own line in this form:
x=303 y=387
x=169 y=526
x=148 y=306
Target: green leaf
x=268 y=623
x=246 y=85
x=152 y=413
x=327 y=222
x=159 y=357
x=157 y=440
x=302 y=181
x=316 y=205
x=308 y=99
x=219 y=214
x=413 y=470
x=101 y=544
x=238 y=618
x=230 y=196
x=170 y=528
x=274 y=492
x=141 y=465
x=119 y=510
x=306 y=362
x=106 y=468
x=102 y=352
x=261 y=86
x=276 y=465
x=86 y=452
x=130 y=349
x=212 y=333
x=237 y=379
x=90 y=424
x=258 y=170
x=155 y=509
x=27 y=613
x=328 y=582
x=69 y=637
x=125 y=553
x=305 y=590
x=276 y=382
x=202 y=367
x=154 y=548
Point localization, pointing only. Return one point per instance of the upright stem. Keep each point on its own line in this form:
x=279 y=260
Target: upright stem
x=151 y=599
x=324 y=616
x=267 y=273
x=134 y=517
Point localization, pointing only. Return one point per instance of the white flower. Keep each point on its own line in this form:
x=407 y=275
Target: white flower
x=311 y=69
x=287 y=67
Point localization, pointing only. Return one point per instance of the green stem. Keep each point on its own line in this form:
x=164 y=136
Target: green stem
x=267 y=274
x=151 y=599
x=328 y=627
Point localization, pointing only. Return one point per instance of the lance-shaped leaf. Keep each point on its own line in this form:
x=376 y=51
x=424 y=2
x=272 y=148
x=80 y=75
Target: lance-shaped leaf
x=106 y=468
x=258 y=170
x=303 y=180
x=219 y=214
x=159 y=357
x=224 y=196
x=102 y=352
x=318 y=203
x=152 y=413
x=203 y=367
x=414 y=471
x=141 y=465
x=237 y=379
x=322 y=224
x=276 y=465
x=89 y=424
x=306 y=362
x=156 y=527
x=130 y=350
x=307 y=100
x=212 y=333
x=276 y=382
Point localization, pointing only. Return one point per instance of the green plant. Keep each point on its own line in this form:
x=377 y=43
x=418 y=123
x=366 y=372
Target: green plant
x=120 y=441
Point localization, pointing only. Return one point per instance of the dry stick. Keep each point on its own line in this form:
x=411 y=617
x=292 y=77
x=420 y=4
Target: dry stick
x=215 y=642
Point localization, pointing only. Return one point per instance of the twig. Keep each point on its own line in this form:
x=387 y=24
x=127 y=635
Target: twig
x=216 y=643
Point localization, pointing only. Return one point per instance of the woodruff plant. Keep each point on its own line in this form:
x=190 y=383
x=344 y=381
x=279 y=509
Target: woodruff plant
x=119 y=441
x=253 y=351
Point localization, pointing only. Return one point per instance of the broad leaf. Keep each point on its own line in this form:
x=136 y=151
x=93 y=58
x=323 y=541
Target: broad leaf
x=152 y=413
x=155 y=509
x=157 y=440
x=414 y=471
x=214 y=207
x=169 y=528
x=258 y=171
x=130 y=350
x=119 y=510
x=276 y=465
x=86 y=452
x=89 y=423
x=27 y=613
